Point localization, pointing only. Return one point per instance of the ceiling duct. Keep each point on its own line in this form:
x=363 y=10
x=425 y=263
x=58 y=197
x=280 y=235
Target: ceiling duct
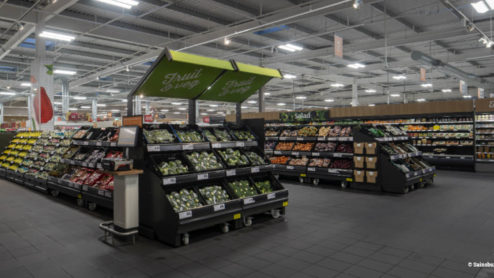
x=472 y=79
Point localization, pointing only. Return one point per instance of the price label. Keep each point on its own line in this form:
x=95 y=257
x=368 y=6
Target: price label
x=185 y=214
x=271 y=196
x=321 y=138
x=295 y=153
x=283 y=138
x=254 y=170
x=231 y=172
x=337 y=155
x=188 y=147
x=290 y=167
x=448 y=157
x=84 y=188
x=300 y=138
x=216 y=145
x=101 y=192
x=153 y=148
x=99 y=144
x=332 y=138
x=113 y=144
x=108 y=194
x=84 y=164
x=85 y=143
x=248 y=201
x=219 y=207
x=91 y=165
x=333 y=171
x=311 y=169
x=240 y=144
x=277 y=152
x=316 y=154
x=167 y=181
x=201 y=177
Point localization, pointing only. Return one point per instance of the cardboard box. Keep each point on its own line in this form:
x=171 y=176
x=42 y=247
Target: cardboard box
x=358 y=161
x=371 y=176
x=370 y=162
x=358 y=148
x=370 y=148
x=359 y=175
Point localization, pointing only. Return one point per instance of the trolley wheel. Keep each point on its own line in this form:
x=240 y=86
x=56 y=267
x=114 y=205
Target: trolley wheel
x=91 y=206
x=248 y=221
x=185 y=239
x=80 y=202
x=54 y=193
x=275 y=213
x=225 y=228
x=344 y=184
x=315 y=181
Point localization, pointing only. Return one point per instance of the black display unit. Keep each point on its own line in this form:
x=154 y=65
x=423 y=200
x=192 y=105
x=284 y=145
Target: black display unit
x=158 y=218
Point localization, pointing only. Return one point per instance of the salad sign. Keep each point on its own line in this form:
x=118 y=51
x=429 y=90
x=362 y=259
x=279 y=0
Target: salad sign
x=309 y=116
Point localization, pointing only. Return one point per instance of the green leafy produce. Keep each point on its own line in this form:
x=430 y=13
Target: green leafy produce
x=184 y=200
x=222 y=135
x=264 y=186
x=204 y=161
x=189 y=136
x=210 y=136
x=255 y=159
x=158 y=136
x=234 y=157
x=214 y=194
x=244 y=135
x=173 y=167
x=242 y=188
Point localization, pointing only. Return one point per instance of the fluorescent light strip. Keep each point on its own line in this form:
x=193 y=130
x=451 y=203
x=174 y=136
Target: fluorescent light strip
x=101 y=105
x=7 y=93
x=64 y=72
x=252 y=101
x=395 y=95
x=421 y=99
x=490 y=3
x=480 y=7
x=281 y=104
x=329 y=100
x=446 y=90
x=337 y=85
x=372 y=104
x=356 y=66
x=370 y=91
x=112 y=91
x=80 y=98
x=289 y=76
x=56 y=36
x=427 y=85
x=85 y=107
x=126 y=4
x=467 y=96
x=25 y=84
x=290 y=47
x=399 y=77
x=301 y=97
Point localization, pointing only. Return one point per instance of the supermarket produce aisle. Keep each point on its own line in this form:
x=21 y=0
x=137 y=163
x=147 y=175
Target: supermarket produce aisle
x=434 y=232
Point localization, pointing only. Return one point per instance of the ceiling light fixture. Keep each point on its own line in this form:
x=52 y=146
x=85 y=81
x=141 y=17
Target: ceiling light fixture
x=182 y=108
x=395 y=95
x=164 y=110
x=64 y=72
x=372 y=104
x=101 y=105
x=25 y=84
x=226 y=41
x=127 y=69
x=356 y=66
x=289 y=76
x=212 y=105
x=290 y=47
x=488 y=43
x=85 y=107
x=421 y=99
x=124 y=100
x=73 y=109
x=356 y=4
x=244 y=107
x=301 y=97
x=337 y=85
x=176 y=103
x=329 y=100
x=399 y=77
x=176 y=113
x=467 y=96
x=57 y=103
x=210 y=110
x=126 y=4
x=370 y=91
x=115 y=110
x=446 y=90
x=7 y=93
x=56 y=36
x=267 y=94
x=426 y=85
x=80 y=98
x=281 y=104
x=480 y=7
x=252 y=101
x=112 y=91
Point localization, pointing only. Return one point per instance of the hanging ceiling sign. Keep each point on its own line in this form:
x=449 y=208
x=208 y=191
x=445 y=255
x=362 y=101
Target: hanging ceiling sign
x=422 y=74
x=237 y=86
x=338 y=46
x=181 y=75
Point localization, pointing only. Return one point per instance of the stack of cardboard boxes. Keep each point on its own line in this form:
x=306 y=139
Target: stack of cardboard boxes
x=365 y=162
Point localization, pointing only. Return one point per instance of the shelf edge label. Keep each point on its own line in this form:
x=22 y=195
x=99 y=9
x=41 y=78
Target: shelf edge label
x=185 y=214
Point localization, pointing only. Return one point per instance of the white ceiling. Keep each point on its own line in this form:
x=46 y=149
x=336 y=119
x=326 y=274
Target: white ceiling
x=380 y=34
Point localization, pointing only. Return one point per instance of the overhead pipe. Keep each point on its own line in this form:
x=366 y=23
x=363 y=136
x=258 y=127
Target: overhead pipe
x=450 y=70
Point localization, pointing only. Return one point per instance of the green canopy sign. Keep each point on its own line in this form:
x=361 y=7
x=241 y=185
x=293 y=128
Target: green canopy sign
x=188 y=76
x=308 y=116
x=237 y=86
x=181 y=75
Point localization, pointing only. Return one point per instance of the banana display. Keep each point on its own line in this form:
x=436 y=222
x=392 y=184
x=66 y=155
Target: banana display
x=234 y=157
x=184 y=200
x=173 y=167
x=214 y=194
x=242 y=188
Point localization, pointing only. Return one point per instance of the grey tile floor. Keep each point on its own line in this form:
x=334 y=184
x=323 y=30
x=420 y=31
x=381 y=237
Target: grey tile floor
x=432 y=232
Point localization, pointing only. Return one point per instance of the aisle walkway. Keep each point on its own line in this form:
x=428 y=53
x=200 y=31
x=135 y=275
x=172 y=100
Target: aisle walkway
x=432 y=232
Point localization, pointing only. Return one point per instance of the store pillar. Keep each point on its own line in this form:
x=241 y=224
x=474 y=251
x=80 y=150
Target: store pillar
x=94 y=110
x=137 y=105
x=261 y=99
x=355 y=101
x=65 y=97
x=1 y=113
x=192 y=111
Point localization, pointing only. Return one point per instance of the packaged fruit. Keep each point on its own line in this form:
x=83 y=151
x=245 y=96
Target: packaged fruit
x=242 y=188
x=158 y=136
x=173 y=167
x=255 y=159
x=189 y=136
x=279 y=160
x=264 y=186
x=284 y=146
x=203 y=161
x=308 y=131
x=244 y=135
x=233 y=157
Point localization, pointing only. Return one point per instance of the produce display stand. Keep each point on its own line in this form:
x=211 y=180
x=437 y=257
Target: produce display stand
x=484 y=135
x=168 y=168
x=374 y=168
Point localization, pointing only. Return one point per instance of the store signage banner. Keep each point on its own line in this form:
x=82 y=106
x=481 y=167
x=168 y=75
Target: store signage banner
x=423 y=74
x=309 y=116
x=463 y=87
x=338 y=46
x=132 y=121
x=480 y=93
x=148 y=118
